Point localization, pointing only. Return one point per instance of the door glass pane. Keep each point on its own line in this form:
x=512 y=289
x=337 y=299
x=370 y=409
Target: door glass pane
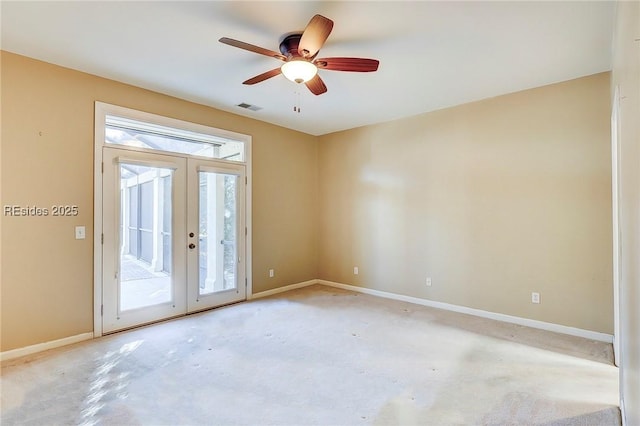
x=217 y=259
x=145 y=236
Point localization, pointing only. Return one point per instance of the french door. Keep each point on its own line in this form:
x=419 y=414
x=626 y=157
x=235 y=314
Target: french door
x=174 y=236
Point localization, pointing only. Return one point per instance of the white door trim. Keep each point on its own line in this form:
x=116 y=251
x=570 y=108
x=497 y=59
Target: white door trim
x=100 y=112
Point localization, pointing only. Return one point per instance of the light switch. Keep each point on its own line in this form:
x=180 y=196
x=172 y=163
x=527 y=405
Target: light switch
x=80 y=233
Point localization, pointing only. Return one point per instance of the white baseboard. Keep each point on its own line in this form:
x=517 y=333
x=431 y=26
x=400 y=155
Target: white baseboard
x=282 y=289
x=28 y=350
x=587 y=334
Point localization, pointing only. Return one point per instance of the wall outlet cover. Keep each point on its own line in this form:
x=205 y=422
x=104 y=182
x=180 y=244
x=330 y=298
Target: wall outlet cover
x=535 y=297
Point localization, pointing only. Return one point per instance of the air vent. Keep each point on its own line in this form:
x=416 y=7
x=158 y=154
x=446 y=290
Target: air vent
x=249 y=106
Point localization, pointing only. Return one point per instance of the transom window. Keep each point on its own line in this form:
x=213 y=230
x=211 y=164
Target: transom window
x=140 y=134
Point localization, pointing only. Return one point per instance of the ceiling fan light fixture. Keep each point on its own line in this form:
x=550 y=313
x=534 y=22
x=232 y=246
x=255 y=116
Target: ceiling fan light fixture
x=299 y=70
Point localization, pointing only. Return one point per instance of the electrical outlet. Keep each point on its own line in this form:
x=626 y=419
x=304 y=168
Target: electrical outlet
x=271 y=273
x=535 y=297
x=428 y=281
x=355 y=270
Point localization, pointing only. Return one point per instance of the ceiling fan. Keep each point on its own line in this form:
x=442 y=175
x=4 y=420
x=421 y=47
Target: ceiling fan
x=298 y=51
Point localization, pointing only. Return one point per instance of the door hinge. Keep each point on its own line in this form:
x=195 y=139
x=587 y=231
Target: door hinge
x=101 y=238
x=245 y=231
x=102 y=167
x=246 y=181
x=101 y=310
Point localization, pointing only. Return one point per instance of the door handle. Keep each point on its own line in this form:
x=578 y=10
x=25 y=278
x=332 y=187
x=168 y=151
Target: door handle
x=192 y=246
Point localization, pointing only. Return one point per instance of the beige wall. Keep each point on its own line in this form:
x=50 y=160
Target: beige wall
x=626 y=76
x=492 y=200
x=47 y=158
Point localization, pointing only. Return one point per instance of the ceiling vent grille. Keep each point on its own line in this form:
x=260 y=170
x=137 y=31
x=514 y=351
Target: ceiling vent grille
x=249 y=106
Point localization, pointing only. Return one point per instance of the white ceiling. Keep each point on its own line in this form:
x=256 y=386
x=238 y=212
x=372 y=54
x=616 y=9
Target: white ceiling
x=432 y=54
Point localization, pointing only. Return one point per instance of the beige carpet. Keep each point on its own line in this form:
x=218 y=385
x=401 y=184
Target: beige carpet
x=318 y=356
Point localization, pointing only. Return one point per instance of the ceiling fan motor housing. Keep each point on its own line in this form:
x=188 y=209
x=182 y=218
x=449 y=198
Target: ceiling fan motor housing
x=289 y=45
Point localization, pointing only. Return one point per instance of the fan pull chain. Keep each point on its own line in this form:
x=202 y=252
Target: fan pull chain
x=296 y=101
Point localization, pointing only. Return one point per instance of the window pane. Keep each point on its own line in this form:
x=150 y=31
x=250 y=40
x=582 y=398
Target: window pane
x=145 y=243
x=218 y=233
x=124 y=131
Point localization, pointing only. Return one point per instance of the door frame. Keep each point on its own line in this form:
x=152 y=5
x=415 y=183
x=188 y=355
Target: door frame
x=100 y=112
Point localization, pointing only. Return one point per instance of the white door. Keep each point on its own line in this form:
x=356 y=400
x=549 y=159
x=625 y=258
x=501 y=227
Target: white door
x=162 y=217
x=216 y=234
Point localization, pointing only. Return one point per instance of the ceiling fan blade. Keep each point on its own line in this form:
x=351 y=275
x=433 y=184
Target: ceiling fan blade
x=252 y=48
x=262 y=77
x=314 y=36
x=316 y=85
x=347 y=64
